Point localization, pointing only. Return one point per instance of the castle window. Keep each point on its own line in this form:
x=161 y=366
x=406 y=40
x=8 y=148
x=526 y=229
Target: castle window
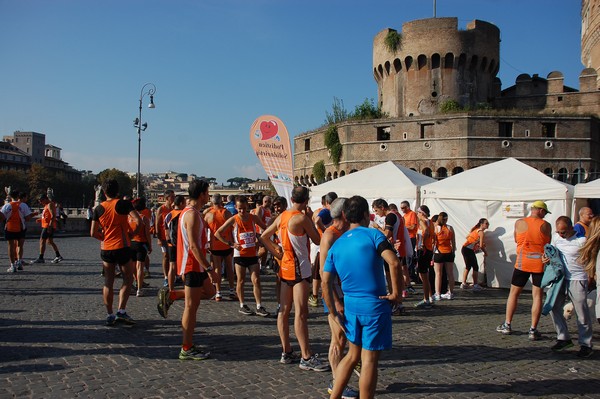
x=457 y=170
x=474 y=62
x=549 y=130
x=548 y=172
x=306 y=144
x=562 y=175
x=442 y=173
x=505 y=129
x=408 y=62
x=449 y=60
x=435 y=61
x=578 y=176
x=342 y=173
x=560 y=98
x=426 y=130
x=383 y=133
x=397 y=65
x=483 y=64
x=426 y=172
x=421 y=61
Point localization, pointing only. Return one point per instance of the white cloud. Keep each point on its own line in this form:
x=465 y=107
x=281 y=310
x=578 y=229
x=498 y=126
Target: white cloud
x=251 y=171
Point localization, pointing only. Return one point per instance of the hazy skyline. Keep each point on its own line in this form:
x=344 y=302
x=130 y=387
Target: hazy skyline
x=73 y=69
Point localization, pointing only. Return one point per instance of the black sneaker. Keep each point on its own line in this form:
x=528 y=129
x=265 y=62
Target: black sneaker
x=534 y=334
x=124 y=318
x=561 y=345
x=287 y=358
x=163 y=301
x=585 y=351
x=110 y=320
x=38 y=260
x=262 y=312
x=246 y=310
x=193 y=354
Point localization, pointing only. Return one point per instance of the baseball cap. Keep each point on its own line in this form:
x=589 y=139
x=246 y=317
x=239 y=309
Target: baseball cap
x=540 y=205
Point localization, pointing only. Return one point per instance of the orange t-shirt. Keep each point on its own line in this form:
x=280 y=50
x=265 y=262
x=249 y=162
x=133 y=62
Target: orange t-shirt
x=218 y=219
x=530 y=246
x=444 y=239
x=410 y=218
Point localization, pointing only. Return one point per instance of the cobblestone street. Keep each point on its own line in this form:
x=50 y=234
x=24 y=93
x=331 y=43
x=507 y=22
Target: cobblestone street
x=53 y=343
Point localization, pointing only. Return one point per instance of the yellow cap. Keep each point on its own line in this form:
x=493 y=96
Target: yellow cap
x=540 y=205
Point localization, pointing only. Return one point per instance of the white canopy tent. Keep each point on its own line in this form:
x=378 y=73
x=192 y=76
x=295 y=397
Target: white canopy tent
x=501 y=192
x=586 y=194
x=389 y=180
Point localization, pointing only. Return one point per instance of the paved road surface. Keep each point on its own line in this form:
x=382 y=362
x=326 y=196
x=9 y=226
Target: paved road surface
x=53 y=343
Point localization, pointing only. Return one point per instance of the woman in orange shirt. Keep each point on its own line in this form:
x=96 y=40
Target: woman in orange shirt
x=473 y=245
x=443 y=256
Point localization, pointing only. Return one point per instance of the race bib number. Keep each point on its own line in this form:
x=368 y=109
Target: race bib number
x=248 y=240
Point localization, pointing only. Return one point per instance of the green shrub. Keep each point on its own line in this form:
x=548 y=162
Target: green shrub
x=319 y=171
x=393 y=41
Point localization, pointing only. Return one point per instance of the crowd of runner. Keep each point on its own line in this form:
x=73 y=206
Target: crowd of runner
x=364 y=258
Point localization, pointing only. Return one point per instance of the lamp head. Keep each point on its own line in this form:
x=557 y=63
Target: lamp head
x=144 y=126
x=136 y=122
x=151 y=105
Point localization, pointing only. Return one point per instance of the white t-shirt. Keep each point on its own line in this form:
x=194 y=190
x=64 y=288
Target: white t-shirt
x=570 y=247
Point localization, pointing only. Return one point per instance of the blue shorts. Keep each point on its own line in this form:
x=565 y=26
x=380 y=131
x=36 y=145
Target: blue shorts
x=371 y=332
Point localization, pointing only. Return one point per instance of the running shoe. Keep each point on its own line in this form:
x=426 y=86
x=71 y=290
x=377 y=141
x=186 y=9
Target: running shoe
x=163 y=301
x=411 y=290
x=534 y=334
x=19 y=264
x=357 y=368
x=436 y=298
x=233 y=296
x=166 y=282
x=585 y=351
x=448 y=295
x=314 y=363
x=313 y=301
x=147 y=274
x=218 y=297
x=477 y=287
x=110 y=320
x=287 y=358
x=246 y=310
x=12 y=269
x=404 y=294
x=57 y=259
x=423 y=304
x=464 y=286
x=193 y=354
x=38 y=260
x=140 y=292
x=398 y=310
x=262 y=312
x=348 y=392
x=562 y=344
x=504 y=328
x=124 y=318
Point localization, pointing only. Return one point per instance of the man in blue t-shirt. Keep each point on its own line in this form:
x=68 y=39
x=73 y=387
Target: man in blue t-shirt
x=357 y=259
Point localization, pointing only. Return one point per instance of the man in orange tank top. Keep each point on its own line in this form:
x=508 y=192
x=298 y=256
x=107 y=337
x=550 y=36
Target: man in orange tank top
x=159 y=228
x=221 y=254
x=531 y=234
x=295 y=228
x=110 y=226
x=48 y=221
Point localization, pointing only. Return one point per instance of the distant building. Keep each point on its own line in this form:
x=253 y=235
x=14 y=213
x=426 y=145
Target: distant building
x=436 y=66
x=12 y=158
x=34 y=150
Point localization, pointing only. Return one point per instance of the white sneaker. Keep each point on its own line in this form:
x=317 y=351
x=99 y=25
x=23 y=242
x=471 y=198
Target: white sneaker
x=447 y=295
x=464 y=286
x=140 y=292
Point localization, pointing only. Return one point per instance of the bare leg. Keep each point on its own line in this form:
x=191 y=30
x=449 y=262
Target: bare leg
x=107 y=290
x=438 y=277
x=300 y=293
x=283 y=318
x=344 y=370
x=536 y=308
x=255 y=278
x=127 y=271
x=188 y=319
x=337 y=344
x=512 y=302
x=241 y=276
x=450 y=273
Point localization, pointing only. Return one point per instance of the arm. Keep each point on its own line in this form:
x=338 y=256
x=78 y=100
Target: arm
x=326 y=243
x=264 y=240
x=147 y=234
x=96 y=231
x=135 y=216
x=392 y=260
x=311 y=230
x=221 y=230
x=482 y=243
x=453 y=238
x=257 y=220
x=327 y=279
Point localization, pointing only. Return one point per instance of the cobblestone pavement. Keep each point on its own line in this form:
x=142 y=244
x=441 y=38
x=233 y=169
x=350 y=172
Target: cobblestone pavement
x=53 y=343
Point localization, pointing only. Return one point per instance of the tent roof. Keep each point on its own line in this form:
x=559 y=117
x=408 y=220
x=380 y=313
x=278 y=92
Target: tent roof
x=507 y=180
x=588 y=190
x=386 y=180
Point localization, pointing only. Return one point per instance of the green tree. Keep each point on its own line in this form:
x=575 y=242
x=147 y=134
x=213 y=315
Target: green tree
x=39 y=180
x=13 y=179
x=238 y=181
x=126 y=184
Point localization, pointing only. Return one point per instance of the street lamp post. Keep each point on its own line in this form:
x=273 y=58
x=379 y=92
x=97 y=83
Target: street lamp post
x=137 y=122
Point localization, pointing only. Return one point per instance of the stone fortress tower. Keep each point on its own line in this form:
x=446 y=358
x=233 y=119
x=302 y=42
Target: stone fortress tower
x=435 y=61
x=447 y=111
x=590 y=35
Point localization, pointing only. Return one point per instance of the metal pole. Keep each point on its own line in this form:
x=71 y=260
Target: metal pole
x=434 y=9
x=139 y=129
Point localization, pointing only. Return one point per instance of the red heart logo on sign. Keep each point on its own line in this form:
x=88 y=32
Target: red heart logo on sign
x=269 y=129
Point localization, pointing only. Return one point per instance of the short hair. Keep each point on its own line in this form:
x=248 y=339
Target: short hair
x=230 y=197
x=330 y=197
x=393 y=207
x=139 y=204
x=355 y=209
x=169 y=192
x=442 y=215
x=300 y=194
x=14 y=194
x=23 y=195
x=197 y=187
x=43 y=197
x=405 y=203
x=216 y=199
x=111 y=188
x=179 y=200
x=566 y=220
x=242 y=199
x=280 y=200
x=337 y=206
x=380 y=203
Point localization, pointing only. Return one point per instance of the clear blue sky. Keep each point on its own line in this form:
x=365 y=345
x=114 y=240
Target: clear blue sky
x=73 y=69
